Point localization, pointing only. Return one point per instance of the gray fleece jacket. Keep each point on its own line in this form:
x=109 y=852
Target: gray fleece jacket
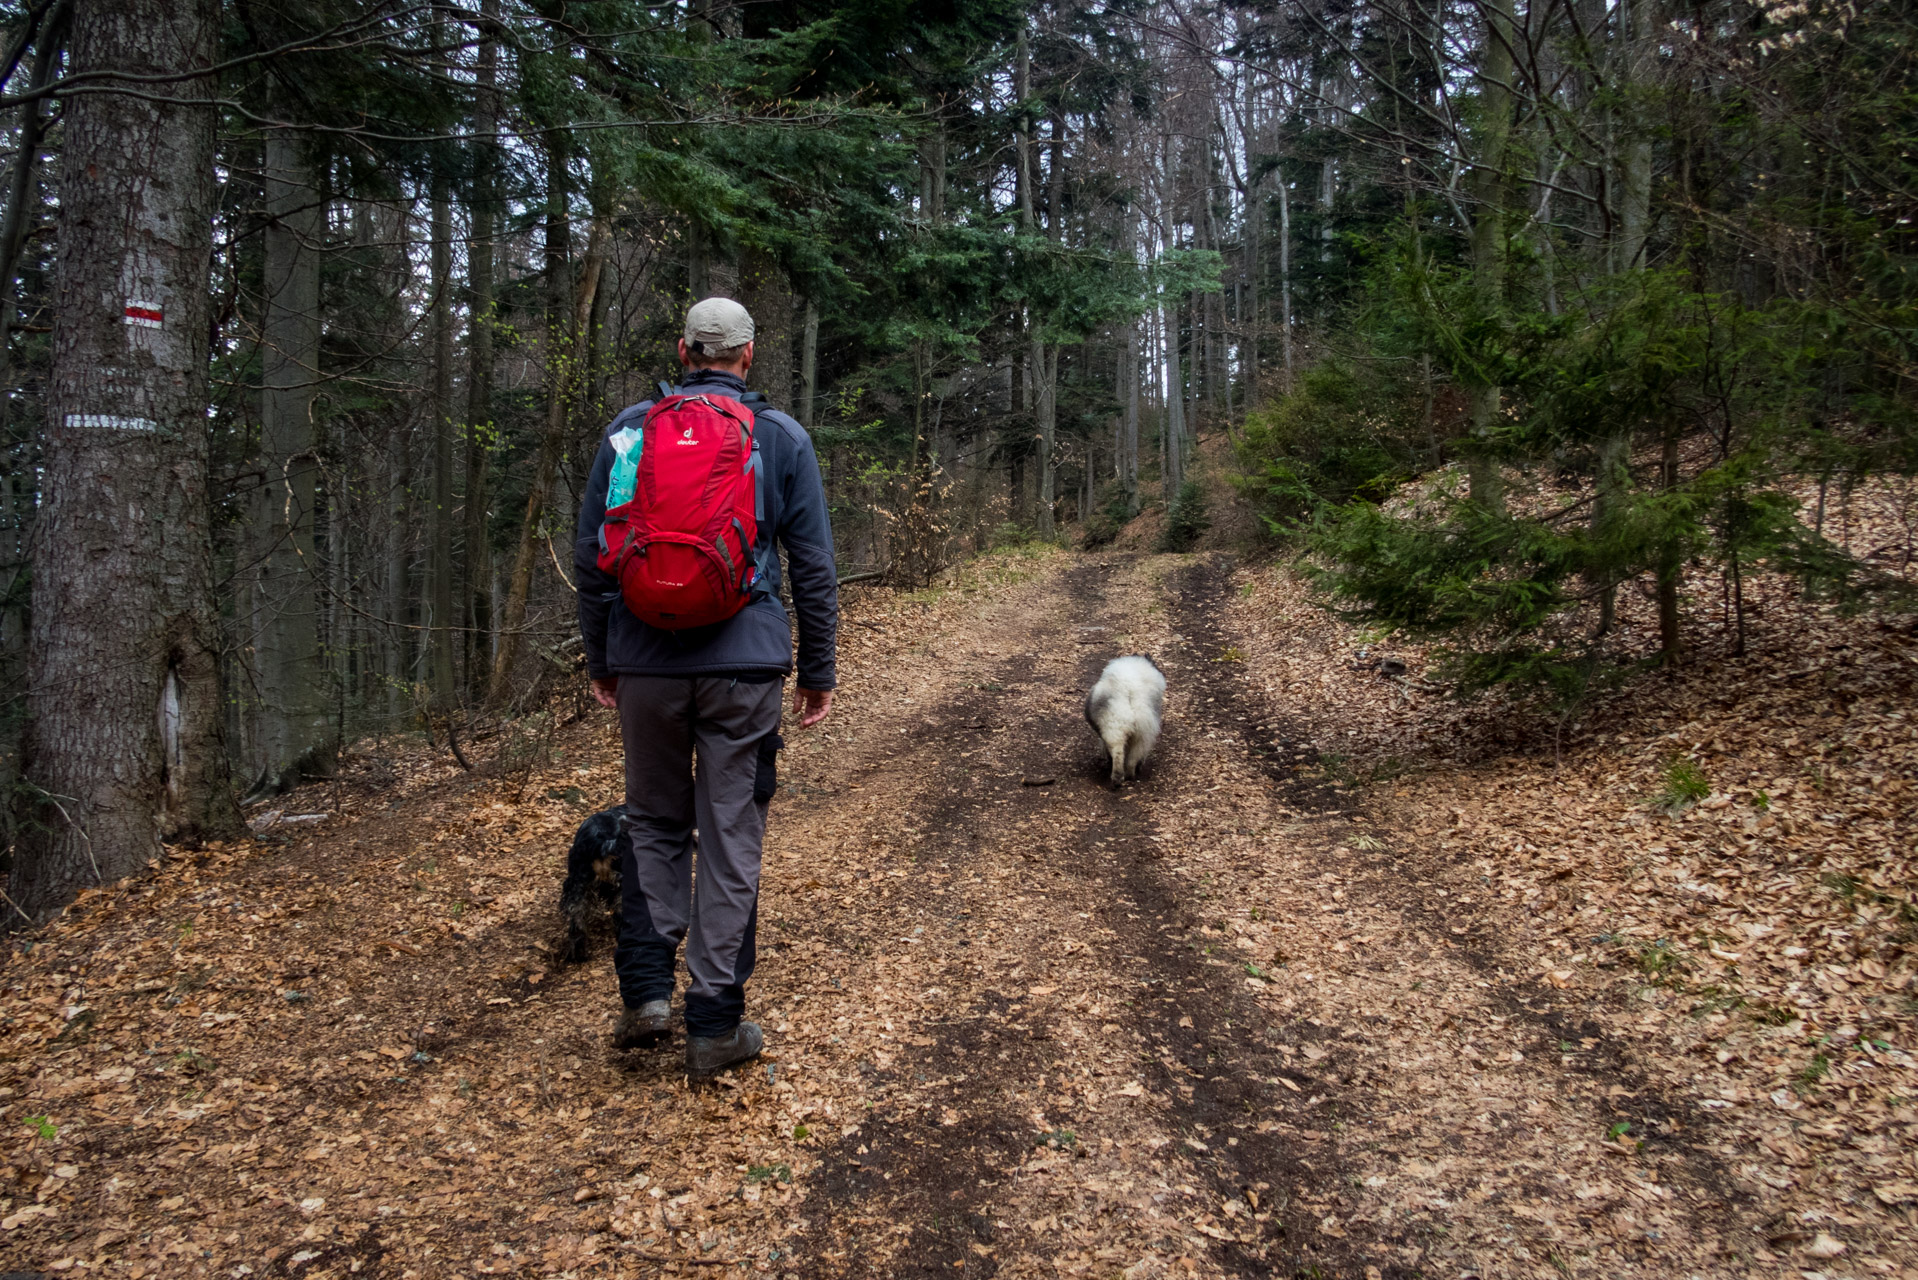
x=757 y=640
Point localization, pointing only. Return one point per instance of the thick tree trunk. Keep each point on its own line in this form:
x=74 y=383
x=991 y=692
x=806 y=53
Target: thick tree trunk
x=292 y=735
x=125 y=743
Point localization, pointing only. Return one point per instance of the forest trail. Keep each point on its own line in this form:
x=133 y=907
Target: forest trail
x=1227 y=1021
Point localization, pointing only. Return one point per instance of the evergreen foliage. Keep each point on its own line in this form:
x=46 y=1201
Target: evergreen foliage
x=1505 y=312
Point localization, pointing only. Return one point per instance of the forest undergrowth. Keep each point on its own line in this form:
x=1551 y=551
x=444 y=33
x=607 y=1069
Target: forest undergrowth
x=1357 y=981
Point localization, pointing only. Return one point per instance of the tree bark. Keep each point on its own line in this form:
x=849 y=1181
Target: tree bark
x=1129 y=438
x=1174 y=473
x=1021 y=131
x=1045 y=387
x=13 y=222
x=1635 y=153
x=16 y=490
x=1251 y=313
x=396 y=638
x=292 y=735
x=478 y=560
x=767 y=293
x=560 y=359
x=125 y=742
x=1285 y=282
x=1488 y=236
x=1670 y=563
x=1612 y=481
x=809 y=365
x=439 y=560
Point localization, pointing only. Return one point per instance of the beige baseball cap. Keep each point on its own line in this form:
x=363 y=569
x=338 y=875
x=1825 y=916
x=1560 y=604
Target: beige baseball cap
x=718 y=324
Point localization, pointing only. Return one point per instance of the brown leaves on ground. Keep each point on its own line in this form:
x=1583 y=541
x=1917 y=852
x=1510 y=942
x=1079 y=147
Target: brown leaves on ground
x=1352 y=980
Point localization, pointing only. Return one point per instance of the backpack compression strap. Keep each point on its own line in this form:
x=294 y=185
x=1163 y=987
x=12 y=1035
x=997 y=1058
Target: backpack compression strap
x=763 y=547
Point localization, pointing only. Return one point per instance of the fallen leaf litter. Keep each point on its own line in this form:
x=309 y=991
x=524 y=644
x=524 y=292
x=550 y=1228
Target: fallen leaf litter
x=1247 y=1015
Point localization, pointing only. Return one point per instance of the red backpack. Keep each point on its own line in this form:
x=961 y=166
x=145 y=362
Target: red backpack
x=682 y=548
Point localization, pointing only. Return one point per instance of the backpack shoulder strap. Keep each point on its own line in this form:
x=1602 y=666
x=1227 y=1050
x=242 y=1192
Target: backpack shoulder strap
x=631 y=414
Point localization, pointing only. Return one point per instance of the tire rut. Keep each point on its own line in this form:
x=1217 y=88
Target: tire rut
x=1215 y=1086
x=900 y=1167
x=1198 y=609
x=947 y=1183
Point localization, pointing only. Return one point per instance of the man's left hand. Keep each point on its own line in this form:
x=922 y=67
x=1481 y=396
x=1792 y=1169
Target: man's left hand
x=606 y=692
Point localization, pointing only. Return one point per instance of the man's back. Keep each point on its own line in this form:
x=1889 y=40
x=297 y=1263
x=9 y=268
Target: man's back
x=758 y=640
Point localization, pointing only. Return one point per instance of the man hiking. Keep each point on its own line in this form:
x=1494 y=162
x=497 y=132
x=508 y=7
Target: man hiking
x=686 y=638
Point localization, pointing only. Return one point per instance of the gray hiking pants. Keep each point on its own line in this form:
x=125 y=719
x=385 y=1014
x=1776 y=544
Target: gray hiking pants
x=700 y=754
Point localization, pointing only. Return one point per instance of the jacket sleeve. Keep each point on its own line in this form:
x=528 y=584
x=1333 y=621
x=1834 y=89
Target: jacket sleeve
x=596 y=590
x=806 y=532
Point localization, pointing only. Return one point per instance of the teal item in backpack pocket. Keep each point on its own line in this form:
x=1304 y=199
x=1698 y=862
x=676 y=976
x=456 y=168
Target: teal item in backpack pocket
x=626 y=446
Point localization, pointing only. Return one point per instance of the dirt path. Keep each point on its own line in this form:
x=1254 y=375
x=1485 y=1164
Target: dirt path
x=1277 y=1045
x=1224 y=1022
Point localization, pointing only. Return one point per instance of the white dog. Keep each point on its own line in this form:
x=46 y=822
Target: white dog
x=1125 y=709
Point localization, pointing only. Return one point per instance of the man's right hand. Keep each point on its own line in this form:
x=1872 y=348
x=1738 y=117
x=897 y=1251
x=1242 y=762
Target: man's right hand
x=606 y=692
x=811 y=705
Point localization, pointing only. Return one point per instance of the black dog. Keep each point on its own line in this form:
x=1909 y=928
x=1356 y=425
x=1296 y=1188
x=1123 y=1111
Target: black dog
x=592 y=879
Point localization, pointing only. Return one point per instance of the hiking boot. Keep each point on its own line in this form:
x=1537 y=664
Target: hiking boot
x=644 y=1027
x=710 y=1055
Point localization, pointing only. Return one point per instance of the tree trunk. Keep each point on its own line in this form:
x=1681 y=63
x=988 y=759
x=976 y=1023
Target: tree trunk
x=13 y=222
x=16 y=489
x=1613 y=479
x=396 y=639
x=1285 y=282
x=1045 y=373
x=559 y=358
x=1129 y=446
x=699 y=275
x=1045 y=355
x=1056 y=179
x=1251 y=316
x=1174 y=473
x=1670 y=562
x=809 y=365
x=292 y=734
x=767 y=293
x=1019 y=435
x=1635 y=153
x=1488 y=236
x=439 y=556
x=478 y=561
x=125 y=744
x=1021 y=131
